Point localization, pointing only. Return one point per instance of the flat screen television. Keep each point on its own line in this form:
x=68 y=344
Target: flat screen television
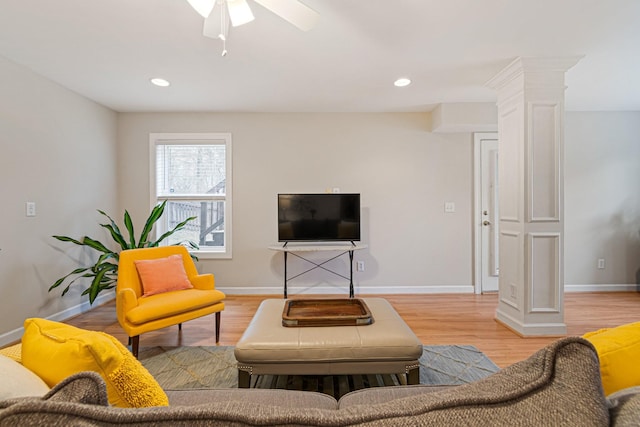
x=322 y=217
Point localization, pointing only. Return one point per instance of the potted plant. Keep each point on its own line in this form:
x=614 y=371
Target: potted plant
x=104 y=272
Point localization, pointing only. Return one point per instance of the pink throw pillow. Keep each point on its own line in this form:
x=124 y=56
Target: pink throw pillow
x=162 y=275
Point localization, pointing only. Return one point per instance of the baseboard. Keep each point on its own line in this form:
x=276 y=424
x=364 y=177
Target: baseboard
x=332 y=290
x=16 y=334
x=602 y=288
x=373 y=290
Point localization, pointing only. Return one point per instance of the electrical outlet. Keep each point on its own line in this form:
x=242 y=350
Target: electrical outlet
x=30 y=209
x=449 y=207
x=514 y=291
x=360 y=265
x=600 y=263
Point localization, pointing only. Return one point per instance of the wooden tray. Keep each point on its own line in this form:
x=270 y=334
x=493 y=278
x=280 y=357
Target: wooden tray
x=326 y=312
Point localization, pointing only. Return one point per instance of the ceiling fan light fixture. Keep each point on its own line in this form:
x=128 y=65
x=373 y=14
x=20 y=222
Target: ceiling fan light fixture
x=160 y=82
x=203 y=7
x=239 y=12
x=294 y=12
x=402 y=82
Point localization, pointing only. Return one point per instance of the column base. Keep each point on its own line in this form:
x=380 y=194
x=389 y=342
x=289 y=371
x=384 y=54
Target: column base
x=536 y=329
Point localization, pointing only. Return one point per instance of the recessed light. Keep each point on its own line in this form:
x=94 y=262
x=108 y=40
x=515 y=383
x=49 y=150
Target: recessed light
x=160 y=82
x=402 y=82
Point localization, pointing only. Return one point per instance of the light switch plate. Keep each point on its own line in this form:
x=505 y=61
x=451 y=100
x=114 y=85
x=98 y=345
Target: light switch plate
x=30 y=208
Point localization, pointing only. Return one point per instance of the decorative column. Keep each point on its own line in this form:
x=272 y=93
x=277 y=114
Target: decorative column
x=531 y=194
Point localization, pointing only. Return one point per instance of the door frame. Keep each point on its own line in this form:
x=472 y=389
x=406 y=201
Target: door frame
x=477 y=208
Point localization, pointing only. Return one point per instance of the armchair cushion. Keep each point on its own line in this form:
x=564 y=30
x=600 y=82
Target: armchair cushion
x=54 y=351
x=162 y=275
x=170 y=304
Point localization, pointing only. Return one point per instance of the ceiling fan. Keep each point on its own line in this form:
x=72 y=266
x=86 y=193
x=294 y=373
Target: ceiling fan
x=238 y=12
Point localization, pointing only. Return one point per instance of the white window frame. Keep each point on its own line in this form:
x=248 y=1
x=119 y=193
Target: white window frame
x=197 y=138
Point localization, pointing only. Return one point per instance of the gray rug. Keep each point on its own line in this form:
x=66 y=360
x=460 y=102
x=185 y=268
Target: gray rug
x=215 y=367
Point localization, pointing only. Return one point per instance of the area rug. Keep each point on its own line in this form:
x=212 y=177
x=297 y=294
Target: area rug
x=177 y=368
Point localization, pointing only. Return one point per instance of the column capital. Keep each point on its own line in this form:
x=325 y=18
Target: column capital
x=522 y=67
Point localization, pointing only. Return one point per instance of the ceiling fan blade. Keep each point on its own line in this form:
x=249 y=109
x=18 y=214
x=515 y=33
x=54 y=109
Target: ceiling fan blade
x=239 y=12
x=293 y=11
x=216 y=26
x=203 y=7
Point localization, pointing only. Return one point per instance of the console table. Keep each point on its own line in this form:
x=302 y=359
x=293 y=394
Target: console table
x=296 y=251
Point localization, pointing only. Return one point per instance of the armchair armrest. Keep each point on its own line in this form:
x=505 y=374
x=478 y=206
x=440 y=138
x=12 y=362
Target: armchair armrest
x=203 y=281
x=125 y=300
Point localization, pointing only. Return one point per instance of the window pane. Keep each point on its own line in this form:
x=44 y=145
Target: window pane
x=190 y=169
x=206 y=230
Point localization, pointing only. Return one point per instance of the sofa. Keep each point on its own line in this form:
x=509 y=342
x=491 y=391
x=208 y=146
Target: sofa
x=560 y=385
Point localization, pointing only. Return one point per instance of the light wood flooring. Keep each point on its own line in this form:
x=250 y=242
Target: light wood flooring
x=435 y=319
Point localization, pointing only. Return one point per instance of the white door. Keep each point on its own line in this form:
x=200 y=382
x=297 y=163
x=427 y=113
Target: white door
x=486 y=218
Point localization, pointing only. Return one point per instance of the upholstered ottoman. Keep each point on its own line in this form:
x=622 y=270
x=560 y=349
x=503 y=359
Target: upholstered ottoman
x=387 y=346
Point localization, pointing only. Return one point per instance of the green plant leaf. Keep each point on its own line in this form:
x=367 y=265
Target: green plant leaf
x=74 y=280
x=116 y=230
x=98 y=246
x=104 y=257
x=154 y=216
x=96 y=286
x=68 y=239
x=129 y=224
x=176 y=228
x=62 y=279
x=102 y=287
x=116 y=236
x=190 y=244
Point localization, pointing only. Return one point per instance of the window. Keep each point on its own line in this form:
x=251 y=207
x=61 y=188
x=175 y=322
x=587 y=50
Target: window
x=192 y=172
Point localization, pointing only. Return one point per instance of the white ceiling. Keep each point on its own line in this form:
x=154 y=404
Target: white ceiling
x=107 y=50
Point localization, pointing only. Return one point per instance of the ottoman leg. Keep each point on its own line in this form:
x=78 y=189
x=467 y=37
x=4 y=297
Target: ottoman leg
x=244 y=379
x=413 y=376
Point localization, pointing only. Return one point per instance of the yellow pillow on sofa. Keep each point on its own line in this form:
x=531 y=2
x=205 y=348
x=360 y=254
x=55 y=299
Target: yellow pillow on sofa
x=619 y=352
x=54 y=351
x=13 y=352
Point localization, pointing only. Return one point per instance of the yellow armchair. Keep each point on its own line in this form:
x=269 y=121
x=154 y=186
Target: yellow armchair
x=138 y=314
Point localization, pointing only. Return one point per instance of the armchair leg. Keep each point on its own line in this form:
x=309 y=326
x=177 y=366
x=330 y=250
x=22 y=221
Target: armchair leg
x=179 y=326
x=217 y=327
x=135 y=344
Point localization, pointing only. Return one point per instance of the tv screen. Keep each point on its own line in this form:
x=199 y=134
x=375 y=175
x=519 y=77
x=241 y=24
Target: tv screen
x=322 y=217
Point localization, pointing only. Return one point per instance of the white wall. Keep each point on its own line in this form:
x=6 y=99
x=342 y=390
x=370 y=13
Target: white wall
x=58 y=150
x=72 y=156
x=403 y=172
x=602 y=199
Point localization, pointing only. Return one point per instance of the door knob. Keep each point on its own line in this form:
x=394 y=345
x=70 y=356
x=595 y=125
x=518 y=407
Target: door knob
x=486 y=223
